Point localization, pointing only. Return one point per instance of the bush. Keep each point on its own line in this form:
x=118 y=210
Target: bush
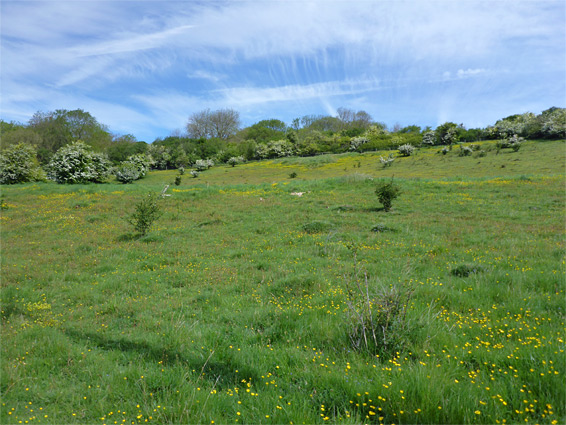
x=386 y=193
x=127 y=172
x=293 y=175
x=18 y=164
x=406 y=149
x=357 y=142
x=379 y=228
x=378 y=322
x=194 y=173
x=386 y=162
x=464 y=270
x=465 y=151
x=203 y=164
x=316 y=227
x=178 y=180
x=235 y=160
x=147 y=211
x=76 y=163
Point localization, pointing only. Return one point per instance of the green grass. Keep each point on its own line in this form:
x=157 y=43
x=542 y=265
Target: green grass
x=231 y=310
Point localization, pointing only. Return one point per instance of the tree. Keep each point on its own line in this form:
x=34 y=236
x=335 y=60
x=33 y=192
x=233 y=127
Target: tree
x=208 y=124
x=61 y=127
x=266 y=130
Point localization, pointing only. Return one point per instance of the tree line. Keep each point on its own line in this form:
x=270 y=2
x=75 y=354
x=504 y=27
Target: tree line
x=219 y=136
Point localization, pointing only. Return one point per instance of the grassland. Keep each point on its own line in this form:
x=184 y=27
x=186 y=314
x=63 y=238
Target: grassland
x=229 y=311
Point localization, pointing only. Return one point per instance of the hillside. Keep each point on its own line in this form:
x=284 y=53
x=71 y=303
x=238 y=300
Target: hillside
x=250 y=303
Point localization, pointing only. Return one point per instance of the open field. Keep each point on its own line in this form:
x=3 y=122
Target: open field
x=237 y=307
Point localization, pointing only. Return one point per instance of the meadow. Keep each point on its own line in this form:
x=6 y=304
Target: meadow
x=239 y=305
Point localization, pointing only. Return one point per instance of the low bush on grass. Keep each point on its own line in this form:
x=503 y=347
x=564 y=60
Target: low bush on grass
x=465 y=270
x=316 y=227
x=386 y=192
x=146 y=212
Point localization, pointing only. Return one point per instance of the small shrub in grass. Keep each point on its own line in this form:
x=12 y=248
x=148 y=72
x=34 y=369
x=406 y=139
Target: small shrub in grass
x=465 y=151
x=316 y=227
x=465 y=270
x=378 y=321
x=181 y=171
x=445 y=150
x=386 y=162
x=406 y=149
x=177 y=180
x=386 y=193
x=380 y=228
x=146 y=212
x=235 y=160
x=194 y=173
x=293 y=175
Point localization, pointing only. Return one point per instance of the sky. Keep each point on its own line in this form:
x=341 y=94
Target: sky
x=143 y=67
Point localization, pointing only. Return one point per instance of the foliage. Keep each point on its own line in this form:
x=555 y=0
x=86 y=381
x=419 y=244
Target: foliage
x=465 y=270
x=127 y=172
x=76 y=163
x=203 y=164
x=357 y=142
x=316 y=226
x=235 y=160
x=514 y=143
x=406 y=149
x=194 y=173
x=429 y=138
x=274 y=149
x=377 y=321
x=146 y=212
x=465 y=151
x=293 y=175
x=387 y=162
x=178 y=180
x=386 y=192
x=18 y=164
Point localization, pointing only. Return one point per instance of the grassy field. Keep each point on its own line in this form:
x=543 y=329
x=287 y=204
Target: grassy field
x=242 y=304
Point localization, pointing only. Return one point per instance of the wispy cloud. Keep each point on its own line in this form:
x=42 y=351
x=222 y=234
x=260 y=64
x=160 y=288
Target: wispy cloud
x=275 y=56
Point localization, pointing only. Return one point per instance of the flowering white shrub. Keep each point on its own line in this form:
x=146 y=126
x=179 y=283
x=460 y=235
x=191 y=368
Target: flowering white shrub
x=429 y=138
x=465 y=151
x=233 y=161
x=76 y=163
x=194 y=173
x=357 y=142
x=406 y=149
x=127 y=172
x=203 y=164
x=386 y=162
x=18 y=164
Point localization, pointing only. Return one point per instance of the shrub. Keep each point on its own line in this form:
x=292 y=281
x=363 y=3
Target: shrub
x=386 y=193
x=406 y=149
x=445 y=150
x=357 y=142
x=464 y=270
x=76 y=163
x=177 y=180
x=203 y=164
x=181 y=171
x=429 y=138
x=514 y=142
x=386 y=162
x=146 y=212
x=127 y=172
x=379 y=228
x=18 y=164
x=378 y=322
x=235 y=160
x=316 y=227
x=465 y=151
x=293 y=175
x=194 y=173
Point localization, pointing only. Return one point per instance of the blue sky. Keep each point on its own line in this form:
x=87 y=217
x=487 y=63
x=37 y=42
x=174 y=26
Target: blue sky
x=143 y=67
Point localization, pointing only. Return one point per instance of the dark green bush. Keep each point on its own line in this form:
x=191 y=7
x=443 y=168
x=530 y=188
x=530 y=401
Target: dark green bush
x=386 y=193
